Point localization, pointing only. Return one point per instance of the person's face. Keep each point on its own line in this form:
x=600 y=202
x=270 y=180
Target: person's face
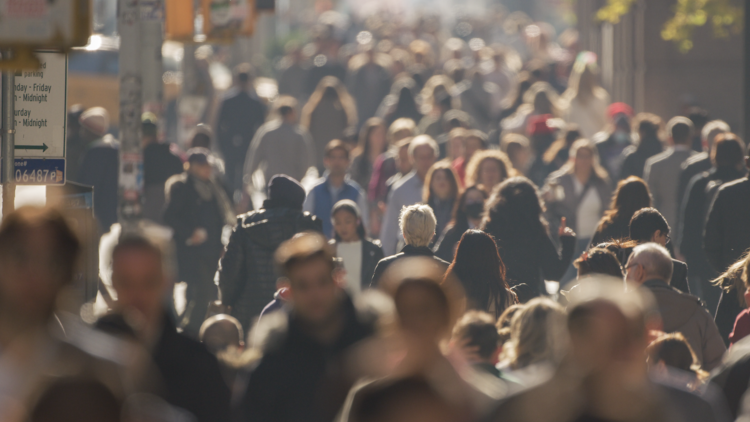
x=202 y=171
x=473 y=197
x=404 y=162
x=420 y=314
x=584 y=160
x=634 y=271
x=424 y=158
x=140 y=283
x=345 y=224
x=377 y=138
x=490 y=174
x=313 y=291
x=471 y=146
x=337 y=162
x=661 y=238
x=457 y=148
x=441 y=184
x=32 y=276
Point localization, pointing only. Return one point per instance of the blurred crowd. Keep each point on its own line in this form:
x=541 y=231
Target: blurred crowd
x=457 y=224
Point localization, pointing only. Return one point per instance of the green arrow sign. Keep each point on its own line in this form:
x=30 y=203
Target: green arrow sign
x=43 y=147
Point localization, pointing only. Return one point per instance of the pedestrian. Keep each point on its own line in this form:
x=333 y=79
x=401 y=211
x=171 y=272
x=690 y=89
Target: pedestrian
x=662 y=171
x=558 y=154
x=293 y=72
x=303 y=374
x=481 y=271
x=701 y=162
x=578 y=192
x=74 y=142
x=437 y=98
x=441 y=193
x=197 y=210
x=615 y=139
x=417 y=223
x=159 y=164
x=203 y=137
x=423 y=152
x=631 y=195
x=359 y=254
x=190 y=375
x=649 y=127
x=328 y=114
x=487 y=169
x=334 y=187
x=649 y=226
x=372 y=143
x=472 y=142
x=241 y=113
x=100 y=167
x=732 y=303
x=273 y=142
x=650 y=267
x=468 y=215
x=402 y=102
x=477 y=330
x=672 y=351
x=246 y=278
x=369 y=85
x=587 y=101
x=598 y=261
x=727 y=155
x=386 y=166
x=514 y=218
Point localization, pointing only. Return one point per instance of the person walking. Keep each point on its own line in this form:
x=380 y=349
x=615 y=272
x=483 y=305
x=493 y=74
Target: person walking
x=241 y=114
x=246 y=276
x=468 y=215
x=372 y=143
x=197 y=209
x=487 y=169
x=159 y=164
x=649 y=127
x=701 y=162
x=631 y=195
x=359 y=254
x=441 y=193
x=334 y=187
x=587 y=102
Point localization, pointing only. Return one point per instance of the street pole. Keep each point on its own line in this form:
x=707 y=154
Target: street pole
x=8 y=141
x=131 y=108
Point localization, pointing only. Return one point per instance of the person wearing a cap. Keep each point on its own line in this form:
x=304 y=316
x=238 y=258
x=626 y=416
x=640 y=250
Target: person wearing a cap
x=246 y=278
x=197 y=210
x=100 y=165
x=159 y=164
x=613 y=141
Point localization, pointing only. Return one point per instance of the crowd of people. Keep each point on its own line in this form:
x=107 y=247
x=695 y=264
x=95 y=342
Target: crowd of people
x=490 y=238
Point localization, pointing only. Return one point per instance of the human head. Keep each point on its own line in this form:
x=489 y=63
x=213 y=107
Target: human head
x=424 y=152
x=417 y=223
x=598 y=261
x=518 y=149
x=711 y=129
x=284 y=192
x=584 y=156
x=488 y=169
x=38 y=257
x=507 y=316
x=441 y=183
x=287 y=108
x=672 y=350
x=244 y=75
x=728 y=150
x=403 y=160
x=514 y=206
x=400 y=129
x=649 y=261
x=471 y=204
x=372 y=136
x=648 y=225
x=306 y=264
x=221 y=331
x=198 y=164
x=474 y=141
x=74 y=125
x=478 y=330
x=94 y=123
x=631 y=195
x=538 y=334
x=649 y=127
x=456 y=142
x=202 y=136
x=139 y=279
x=347 y=221
x=149 y=128
x=680 y=130
x=336 y=158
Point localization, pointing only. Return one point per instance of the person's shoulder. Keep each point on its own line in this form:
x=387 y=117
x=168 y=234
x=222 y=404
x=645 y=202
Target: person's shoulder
x=177 y=181
x=405 y=183
x=696 y=160
x=735 y=186
x=659 y=158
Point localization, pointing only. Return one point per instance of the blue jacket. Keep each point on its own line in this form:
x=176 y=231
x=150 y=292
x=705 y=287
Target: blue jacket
x=320 y=201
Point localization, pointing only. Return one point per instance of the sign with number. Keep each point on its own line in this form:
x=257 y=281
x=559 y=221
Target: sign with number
x=41 y=118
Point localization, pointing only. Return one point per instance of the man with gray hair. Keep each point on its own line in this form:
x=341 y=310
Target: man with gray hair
x=417 y=224
x=423 y=152
x=650 y=266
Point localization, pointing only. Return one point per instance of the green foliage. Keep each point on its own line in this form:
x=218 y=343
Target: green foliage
x=725 y=17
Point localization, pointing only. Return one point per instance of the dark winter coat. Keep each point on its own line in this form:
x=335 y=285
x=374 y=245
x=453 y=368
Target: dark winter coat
x=445 y=248
x=101 y=169
x=727 y=233
x=247 y=278
x=159 y=164
x=618 y=229
x=409 y=251
x=372 y=253
x=734 y=374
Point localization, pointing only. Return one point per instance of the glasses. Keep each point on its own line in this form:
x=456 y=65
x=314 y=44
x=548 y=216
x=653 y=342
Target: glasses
x=669 y=238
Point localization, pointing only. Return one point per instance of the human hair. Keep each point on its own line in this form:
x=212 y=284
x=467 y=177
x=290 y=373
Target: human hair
x=631 y=195
x=480 y=269
x=423 y=140
x=475 y=165
x=202 y=135
x=571 y=134
x=430 y=287
x=582 y=85
x=680 y=128
x=478 y=328
x=131 y=243
x=655 y=260
x=417 y=223
x=515 y=210
x=645 y=223
x=512 y=139
x=244 y=73
x=713 y=128
x=728 y=150
x=736 y=277
x=226 y=327
x=649 y=127
x=459 y=214
x=285 y=105
x=363 y=147
x=401 y=128
x=538 y=334
x=507 y=316
x=674 y=350
x=330 y=89
x=543 y=98
x=336 y=145
x=478 y=134
x=597 y=170
x=301 y=249
x=598 y=261
x=437 y=84
x=17 y=225
x=405 y=98
x=428 y=195
x=351 y=207
x=458 y=132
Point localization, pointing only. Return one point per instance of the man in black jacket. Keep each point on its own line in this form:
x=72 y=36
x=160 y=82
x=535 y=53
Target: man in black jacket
x=303 y=375
x=418 y=226
x=247 y=279
x=190 y=375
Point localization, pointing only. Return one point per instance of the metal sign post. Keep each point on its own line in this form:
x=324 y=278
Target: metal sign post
x=8 y=140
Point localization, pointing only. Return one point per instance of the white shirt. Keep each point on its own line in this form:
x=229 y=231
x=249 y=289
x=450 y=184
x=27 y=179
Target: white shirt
x=588 y=212
x=351 y=254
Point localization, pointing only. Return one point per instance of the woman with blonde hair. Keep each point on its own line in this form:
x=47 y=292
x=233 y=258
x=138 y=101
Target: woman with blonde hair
x=587 y=101
x=328 y=113
x=488 y=169
x=733 y=302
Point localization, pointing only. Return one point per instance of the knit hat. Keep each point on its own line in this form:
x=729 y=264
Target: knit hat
x=284 y=191
x=96 y=120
